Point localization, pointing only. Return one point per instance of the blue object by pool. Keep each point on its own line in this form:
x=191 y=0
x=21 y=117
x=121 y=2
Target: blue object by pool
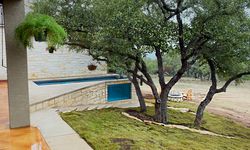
x=118 y=92
x=77 y=80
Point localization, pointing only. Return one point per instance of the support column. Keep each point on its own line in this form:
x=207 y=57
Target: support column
x=17 y=71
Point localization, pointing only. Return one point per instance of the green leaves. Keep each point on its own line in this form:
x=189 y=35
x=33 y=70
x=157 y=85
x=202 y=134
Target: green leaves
x=227 y=24
x=115 y=29
x=35 y=24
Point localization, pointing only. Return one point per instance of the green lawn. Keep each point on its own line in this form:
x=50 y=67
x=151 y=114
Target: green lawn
x=109 y=129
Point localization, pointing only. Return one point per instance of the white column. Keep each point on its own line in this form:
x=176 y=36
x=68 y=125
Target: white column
x=17 y=73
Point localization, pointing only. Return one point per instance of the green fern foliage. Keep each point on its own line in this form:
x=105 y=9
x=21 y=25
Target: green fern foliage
x=38 y=24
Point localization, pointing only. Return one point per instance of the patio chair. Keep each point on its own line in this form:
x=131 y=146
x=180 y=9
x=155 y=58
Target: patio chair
x=188 y=96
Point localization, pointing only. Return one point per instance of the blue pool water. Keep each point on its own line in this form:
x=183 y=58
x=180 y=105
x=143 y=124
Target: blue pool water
x=118 y=92
x=77 y=80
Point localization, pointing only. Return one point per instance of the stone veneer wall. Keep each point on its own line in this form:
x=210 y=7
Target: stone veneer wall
x=60 y=64
x=63 y=63
x=95 y=94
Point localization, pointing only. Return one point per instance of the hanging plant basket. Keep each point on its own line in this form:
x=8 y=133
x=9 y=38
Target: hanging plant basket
x=92 y=67
x=51 y=49
x=41 y=36
x=43 y=28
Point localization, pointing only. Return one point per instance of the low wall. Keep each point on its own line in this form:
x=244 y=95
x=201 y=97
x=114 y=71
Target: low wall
x=95 y=94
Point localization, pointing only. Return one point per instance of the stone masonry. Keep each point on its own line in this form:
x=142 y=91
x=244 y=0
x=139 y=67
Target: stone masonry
x=62 y=63
x=95 y=94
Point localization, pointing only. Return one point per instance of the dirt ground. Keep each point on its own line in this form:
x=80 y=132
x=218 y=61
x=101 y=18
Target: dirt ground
x=234 y=104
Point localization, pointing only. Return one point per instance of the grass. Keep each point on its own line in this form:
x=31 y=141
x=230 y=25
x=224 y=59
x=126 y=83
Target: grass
x=109 y=129
x=211 y=122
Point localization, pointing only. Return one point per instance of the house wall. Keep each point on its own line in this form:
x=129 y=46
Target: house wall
x=60 y=64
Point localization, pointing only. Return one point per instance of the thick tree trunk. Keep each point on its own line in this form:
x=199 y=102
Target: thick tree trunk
x=212 y=91
x=160 y=104
x=161 y=112
x=139 y=95
x=202 y=107
x=161 y=108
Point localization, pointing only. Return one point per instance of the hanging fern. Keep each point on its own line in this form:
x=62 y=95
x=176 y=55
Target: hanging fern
x=38 y=24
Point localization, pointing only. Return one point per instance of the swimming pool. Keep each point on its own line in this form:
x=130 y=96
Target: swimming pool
x=78 y=80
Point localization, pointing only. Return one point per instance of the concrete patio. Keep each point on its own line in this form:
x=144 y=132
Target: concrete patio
x=17 y=139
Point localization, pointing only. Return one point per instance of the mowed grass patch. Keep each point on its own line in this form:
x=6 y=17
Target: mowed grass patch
x=211 y=122
x=109 y=129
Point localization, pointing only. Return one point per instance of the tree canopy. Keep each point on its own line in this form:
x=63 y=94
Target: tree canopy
x=123 y=32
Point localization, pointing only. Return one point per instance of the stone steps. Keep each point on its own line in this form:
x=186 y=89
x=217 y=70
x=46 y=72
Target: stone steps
x=85 y=107
x=98 y=106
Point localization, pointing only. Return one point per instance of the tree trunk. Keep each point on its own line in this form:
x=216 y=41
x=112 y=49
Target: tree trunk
x=139 y=95
x=161 y=108
x=201 y=108
x=160 y=104
x=161 y=112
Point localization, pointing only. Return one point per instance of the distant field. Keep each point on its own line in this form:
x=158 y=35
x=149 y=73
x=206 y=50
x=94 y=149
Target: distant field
x=235 y=103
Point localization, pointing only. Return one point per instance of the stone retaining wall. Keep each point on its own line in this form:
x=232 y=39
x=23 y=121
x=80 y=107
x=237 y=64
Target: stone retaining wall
x=95 y=94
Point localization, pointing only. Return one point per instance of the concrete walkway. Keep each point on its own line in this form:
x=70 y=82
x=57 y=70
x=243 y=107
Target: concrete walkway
x=57 y=133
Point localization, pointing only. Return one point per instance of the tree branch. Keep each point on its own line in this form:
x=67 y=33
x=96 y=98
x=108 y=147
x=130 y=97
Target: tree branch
x=180 y=30
x=167 y=11
x=213 y=73
x=218 y=13
x=178 y=75
x=229 y=81
x=195 y=46
x=160 y=67
x=135 y=73
x=98 y=57
x=139 y=77
x=76 y=30
x=166 y=6
x=144 y=71
x=81 y=45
